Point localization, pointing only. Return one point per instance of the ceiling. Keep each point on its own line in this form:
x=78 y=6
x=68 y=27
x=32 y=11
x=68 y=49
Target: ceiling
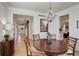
x=42 y=6
x=21 y=19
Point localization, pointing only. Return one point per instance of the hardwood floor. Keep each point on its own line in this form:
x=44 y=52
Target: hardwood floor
x=20 y=49
x=77 y=53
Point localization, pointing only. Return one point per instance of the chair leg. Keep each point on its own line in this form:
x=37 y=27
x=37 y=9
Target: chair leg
x=69 y=54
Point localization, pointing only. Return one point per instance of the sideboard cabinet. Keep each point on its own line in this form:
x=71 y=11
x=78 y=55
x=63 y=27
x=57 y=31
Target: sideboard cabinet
x=7 y=48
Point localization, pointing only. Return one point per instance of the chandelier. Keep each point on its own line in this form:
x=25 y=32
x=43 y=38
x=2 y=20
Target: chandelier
x=51 y=14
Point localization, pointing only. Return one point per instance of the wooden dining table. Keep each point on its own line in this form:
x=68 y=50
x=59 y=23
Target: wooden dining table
x=56 y=47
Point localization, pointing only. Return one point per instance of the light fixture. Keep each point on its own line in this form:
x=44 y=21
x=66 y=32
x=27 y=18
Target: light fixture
x=51 y=14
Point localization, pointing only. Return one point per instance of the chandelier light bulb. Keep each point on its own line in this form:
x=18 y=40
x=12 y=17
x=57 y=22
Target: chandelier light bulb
x=51 y=14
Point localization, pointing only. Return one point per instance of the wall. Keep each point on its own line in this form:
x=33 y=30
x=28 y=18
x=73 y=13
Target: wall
x=73 y=17
x=31 y=25
x=36 y=19
x=74 y=31
x=54 y=26
x=3 y=18
x=1 y=28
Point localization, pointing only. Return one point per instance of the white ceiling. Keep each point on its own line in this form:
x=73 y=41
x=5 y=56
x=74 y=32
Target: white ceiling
x=42 y=6
x=21 y=19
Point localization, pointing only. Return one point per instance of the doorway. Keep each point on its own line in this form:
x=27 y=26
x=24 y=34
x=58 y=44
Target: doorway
x=21 y=27
x=64 y=25
x=21 y=30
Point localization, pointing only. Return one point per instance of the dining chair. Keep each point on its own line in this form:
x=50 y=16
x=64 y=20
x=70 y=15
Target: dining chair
x=31 y=51
x=25 y=40
x=35 y=37
x=71 y=46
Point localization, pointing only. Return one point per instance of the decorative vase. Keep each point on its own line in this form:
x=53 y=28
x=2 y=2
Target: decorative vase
x=49 y=40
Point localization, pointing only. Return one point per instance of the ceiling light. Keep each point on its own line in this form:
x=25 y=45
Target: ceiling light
x=51 y=14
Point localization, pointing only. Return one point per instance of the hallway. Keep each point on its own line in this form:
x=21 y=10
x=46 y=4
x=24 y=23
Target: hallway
x=20 y=49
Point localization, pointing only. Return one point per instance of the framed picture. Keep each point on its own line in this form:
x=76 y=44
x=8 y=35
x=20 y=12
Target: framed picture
x=77 y=23
x=43 y=25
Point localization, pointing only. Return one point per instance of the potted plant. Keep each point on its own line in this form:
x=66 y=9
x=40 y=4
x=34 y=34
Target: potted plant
x=6 y=36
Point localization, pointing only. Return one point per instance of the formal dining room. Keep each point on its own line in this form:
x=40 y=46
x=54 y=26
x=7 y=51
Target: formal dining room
x=39 y=28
